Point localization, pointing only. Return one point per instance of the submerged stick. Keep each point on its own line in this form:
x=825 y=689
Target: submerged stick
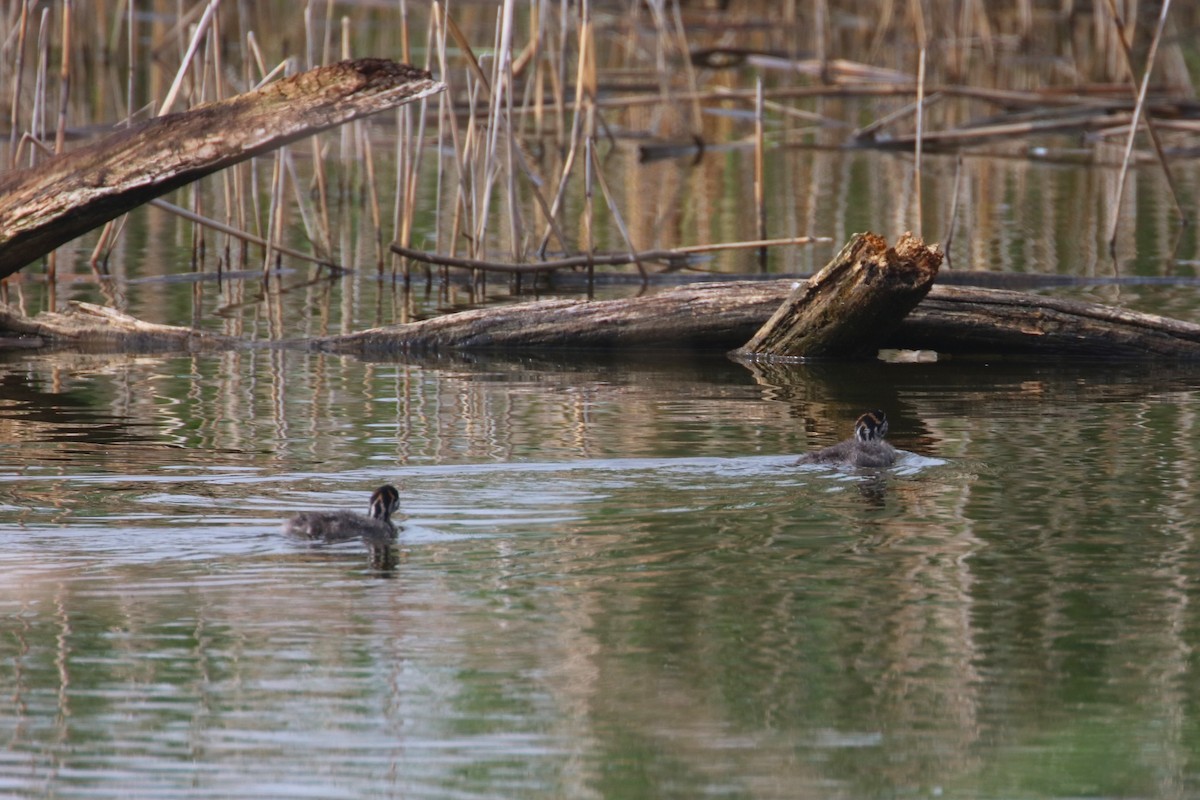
x=63 y=198
x=230 y=230
x=676 y=254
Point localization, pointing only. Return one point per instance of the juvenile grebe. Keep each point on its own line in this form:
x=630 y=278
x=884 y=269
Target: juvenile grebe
x=866 y=449
x=340 y=526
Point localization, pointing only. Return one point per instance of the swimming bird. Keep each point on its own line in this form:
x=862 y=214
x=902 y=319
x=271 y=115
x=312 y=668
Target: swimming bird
x=865 y=449
x=341 y=526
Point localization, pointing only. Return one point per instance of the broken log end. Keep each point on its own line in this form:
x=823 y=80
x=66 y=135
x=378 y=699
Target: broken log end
x=852 y=305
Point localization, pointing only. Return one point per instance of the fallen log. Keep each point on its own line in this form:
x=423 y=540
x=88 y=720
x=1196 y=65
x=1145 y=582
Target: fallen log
x=66 y=196
x=707 y=316
x=950 y=320
x=960 y=320
x=848 y=309
x=93 y=328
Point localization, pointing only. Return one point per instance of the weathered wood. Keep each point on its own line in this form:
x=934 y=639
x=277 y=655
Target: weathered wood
x=712 y=316
x=84 y=326
x=849 y=308
x=44 y=207
x=951 y=320
x=960 y=320
x=707 y=316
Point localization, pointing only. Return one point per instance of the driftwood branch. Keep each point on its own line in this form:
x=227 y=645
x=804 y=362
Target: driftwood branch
x=46 y=206
x=85 y=326
x=851 y=306
x=676 y=255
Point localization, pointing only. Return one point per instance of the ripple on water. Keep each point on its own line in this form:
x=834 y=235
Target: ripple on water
x=736 y=607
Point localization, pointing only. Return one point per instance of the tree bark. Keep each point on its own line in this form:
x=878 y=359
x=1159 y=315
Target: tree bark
x=707 y=316
x=48 y=205
x=960 y=320
x=849 y=308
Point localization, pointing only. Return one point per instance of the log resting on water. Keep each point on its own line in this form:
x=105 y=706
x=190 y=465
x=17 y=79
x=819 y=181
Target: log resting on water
x=868 y=297
x=85 y=326
x=714 y=316
x=972 y=321
x=707 y=316
x=48 y=205
x=951 y=320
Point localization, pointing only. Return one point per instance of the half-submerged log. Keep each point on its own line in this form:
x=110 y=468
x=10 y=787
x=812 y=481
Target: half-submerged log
x=849 y=308
x=66 y=196
x=84 y=326
x=961 y=320
x=950 y=320
x=700 y=316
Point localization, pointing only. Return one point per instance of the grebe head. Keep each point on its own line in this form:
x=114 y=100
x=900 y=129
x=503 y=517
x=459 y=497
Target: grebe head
x=871 y=426
x=384 y=502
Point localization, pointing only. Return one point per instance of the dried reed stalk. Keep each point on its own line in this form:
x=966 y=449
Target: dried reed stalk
x=760 y=205
x=950 y=227
x=37 y=131
x=589 y=240
x=64 y=79
x=186 y=63
x=410 y=154
x=1137 y=114
x=585 y=45
x=14 y=118
x=919 y=139
x=372 y=197
x=309 y=214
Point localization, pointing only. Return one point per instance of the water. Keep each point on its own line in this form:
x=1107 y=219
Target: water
x=611 y=582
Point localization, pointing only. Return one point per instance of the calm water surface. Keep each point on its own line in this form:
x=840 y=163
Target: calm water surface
x=611 y=582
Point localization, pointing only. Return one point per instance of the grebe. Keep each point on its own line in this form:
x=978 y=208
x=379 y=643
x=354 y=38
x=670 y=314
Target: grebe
x=866 y=449
x=340 y=526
